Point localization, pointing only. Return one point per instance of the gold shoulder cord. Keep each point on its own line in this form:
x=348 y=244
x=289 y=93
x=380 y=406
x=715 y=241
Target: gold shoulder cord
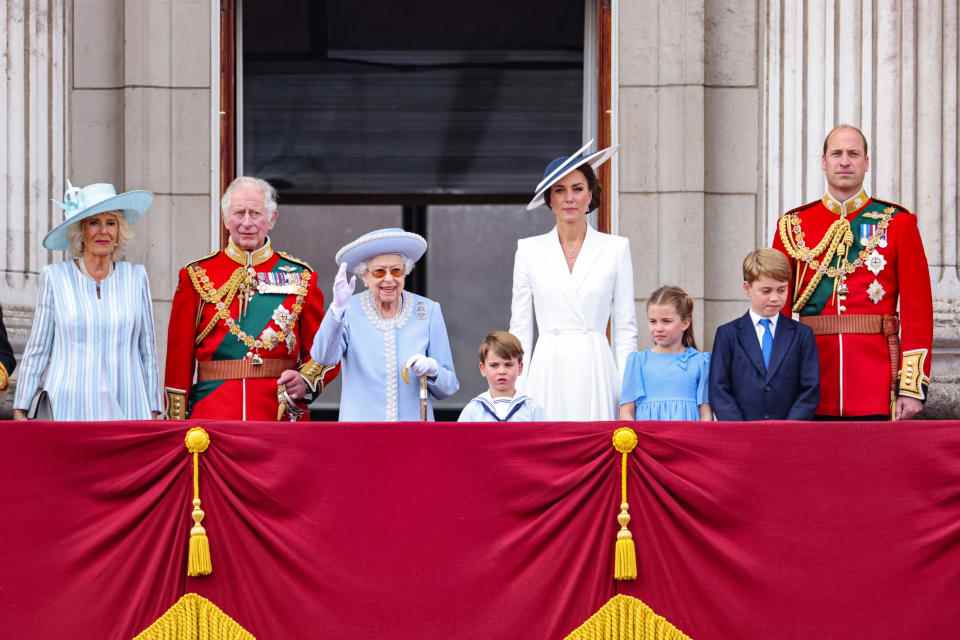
x=833 y=246
x=226 y=293
x=237 y=282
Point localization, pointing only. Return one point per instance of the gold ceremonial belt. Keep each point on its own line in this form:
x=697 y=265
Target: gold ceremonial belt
x=243 y=368
x=855 y=323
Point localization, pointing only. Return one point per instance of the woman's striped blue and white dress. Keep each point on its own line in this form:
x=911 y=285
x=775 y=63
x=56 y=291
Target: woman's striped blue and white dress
x=95 y=355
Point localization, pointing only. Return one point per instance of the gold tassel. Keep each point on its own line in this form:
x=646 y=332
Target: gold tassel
x=625 y=552
x=626 y=618
x=191 y=618
x=198 y=557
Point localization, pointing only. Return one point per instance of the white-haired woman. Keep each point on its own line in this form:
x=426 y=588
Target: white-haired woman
x=92 y=352
x=379 y=332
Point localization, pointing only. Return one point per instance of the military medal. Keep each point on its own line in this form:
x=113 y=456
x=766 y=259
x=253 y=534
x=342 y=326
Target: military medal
x=876 y=262
x=279 y=282
x=882 y=243
x=876 y=292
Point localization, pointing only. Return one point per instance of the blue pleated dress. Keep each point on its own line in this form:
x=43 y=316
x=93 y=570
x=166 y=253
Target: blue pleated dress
x=667 y=386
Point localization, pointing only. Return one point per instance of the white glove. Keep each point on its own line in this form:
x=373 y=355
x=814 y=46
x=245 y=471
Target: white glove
x=423 y=366
x=342 y=290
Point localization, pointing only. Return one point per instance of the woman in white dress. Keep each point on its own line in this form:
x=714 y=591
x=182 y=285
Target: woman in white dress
x=575 y=279
x=92 y=347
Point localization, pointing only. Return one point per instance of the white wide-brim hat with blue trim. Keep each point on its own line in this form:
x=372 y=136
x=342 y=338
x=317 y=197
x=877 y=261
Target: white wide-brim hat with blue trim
x=563 y=165
x=93 y=199
x=391 y=241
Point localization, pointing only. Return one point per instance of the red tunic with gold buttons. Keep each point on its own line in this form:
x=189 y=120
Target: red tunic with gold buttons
x=237 y=320
x=862 y=256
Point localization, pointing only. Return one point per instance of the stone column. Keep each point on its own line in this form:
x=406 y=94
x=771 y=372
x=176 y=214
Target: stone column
x=661 y=129
x=889 y=67
x=732 y=152
x=32 y=147
x=166 y=136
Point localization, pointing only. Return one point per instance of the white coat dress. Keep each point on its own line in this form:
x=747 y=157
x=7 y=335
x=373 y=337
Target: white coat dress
x=572 y=371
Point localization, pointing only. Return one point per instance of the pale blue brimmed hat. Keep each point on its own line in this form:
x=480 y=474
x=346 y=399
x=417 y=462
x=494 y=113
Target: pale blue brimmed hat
x=391 y=241
x=563 y=165
x=81 y=203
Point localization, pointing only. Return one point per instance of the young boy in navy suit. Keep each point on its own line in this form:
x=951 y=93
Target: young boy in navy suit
x=764 y=364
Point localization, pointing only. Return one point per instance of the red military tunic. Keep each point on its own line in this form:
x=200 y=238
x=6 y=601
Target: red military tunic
x=862 y=266
x=238 y=320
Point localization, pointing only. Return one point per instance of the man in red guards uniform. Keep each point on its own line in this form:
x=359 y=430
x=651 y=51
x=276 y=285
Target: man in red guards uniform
x=243 y=320
x=854 y=258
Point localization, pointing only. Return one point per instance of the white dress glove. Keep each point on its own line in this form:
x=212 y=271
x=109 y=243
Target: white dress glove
x=423 y=366
x=342 y=291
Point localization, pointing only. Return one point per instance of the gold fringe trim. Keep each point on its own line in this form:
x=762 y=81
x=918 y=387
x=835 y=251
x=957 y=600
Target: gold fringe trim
x=198 y=556
x=625 y=552
x=194 y=617
x=626 y=618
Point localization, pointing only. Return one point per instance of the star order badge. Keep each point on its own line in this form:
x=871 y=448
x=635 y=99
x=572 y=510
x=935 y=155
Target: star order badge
x=876 y=292
x=876 y=262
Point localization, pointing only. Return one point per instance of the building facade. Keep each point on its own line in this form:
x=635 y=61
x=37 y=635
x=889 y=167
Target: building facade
x=720 y=108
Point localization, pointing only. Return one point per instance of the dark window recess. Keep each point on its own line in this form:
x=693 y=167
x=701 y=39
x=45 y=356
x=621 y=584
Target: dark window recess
x=427 y=98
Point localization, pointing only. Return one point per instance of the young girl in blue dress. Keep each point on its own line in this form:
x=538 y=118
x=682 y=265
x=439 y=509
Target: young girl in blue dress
x=668 y=381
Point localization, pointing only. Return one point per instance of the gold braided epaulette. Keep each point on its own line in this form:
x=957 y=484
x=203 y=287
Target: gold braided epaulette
x=302 y=263
x=201 y=259
x=801 y=208
x=896 y=205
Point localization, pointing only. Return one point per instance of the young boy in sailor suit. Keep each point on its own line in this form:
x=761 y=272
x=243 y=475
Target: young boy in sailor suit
x=501 y=361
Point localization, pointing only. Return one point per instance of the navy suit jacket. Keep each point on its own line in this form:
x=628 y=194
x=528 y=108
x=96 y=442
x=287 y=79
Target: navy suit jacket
x=741 y=388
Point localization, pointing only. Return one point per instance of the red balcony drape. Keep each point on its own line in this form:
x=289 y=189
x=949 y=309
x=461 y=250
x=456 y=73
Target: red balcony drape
x=773 y=530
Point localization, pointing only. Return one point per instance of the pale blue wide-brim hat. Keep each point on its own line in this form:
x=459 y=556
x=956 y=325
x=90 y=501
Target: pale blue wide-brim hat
x=390 y=241
x=563 y=165
x=81 y=203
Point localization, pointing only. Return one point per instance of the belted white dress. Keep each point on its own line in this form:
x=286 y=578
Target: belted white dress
x=572 y=372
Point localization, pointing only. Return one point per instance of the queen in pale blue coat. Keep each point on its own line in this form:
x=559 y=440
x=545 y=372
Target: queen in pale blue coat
x=379 y=332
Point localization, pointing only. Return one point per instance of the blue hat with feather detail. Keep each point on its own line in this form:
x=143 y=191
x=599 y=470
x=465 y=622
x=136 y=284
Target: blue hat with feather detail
x=563 y=165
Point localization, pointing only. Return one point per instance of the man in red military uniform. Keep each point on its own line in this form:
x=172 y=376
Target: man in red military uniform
x=853 y=258
x=242 y=322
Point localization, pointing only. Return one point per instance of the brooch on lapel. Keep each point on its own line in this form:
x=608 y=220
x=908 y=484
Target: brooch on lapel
x=421 y=311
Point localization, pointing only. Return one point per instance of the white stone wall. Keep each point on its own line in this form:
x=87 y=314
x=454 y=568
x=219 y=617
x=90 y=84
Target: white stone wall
x=661 y=132
x=33 y=58
x=140 y=117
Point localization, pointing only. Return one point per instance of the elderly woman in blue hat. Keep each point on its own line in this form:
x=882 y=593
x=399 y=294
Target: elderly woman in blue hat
x=576 y=279
x=378 y=334
x=92 y=353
